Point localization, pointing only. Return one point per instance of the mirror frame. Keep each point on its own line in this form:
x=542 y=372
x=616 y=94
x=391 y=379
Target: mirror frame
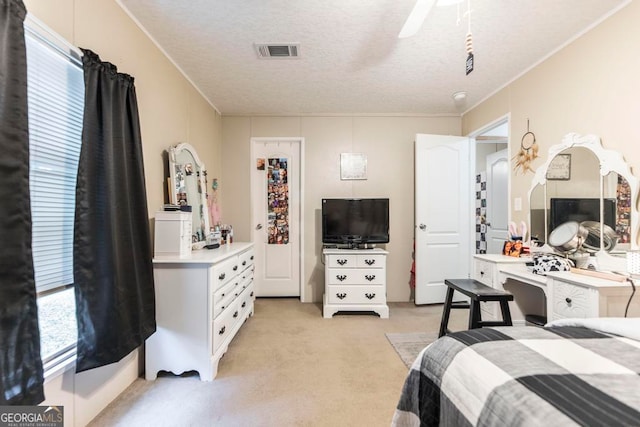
x=173 y=151
x=610 y=161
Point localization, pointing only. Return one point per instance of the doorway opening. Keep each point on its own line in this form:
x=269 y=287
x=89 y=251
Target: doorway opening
x=491 y=201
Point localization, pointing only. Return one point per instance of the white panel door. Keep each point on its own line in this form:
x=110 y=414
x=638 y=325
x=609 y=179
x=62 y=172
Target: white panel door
x=442 y=214
x=497 y=201
x=275 y=192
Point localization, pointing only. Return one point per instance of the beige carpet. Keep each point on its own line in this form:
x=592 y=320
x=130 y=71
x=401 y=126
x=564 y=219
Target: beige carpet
x=288 y=366
x=409 y=345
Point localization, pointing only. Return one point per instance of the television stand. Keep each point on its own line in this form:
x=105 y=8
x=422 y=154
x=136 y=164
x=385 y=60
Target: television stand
x=355 y=280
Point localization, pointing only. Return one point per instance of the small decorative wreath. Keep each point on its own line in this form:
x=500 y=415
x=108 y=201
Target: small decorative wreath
x=527 y=153
x=522 y=143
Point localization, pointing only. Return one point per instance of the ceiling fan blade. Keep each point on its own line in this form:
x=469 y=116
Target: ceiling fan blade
x=417 y=16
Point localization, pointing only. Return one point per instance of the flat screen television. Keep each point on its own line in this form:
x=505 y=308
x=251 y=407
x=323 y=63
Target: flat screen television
x=568 y=209
x=355 y=221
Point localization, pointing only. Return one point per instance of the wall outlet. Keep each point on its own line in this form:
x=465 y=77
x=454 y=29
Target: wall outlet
x=517 y=204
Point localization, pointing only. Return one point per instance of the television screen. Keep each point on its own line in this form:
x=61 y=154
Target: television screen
x=563 y=210
x=355 y=221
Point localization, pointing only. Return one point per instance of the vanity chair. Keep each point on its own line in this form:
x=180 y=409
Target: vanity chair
x=579 y=181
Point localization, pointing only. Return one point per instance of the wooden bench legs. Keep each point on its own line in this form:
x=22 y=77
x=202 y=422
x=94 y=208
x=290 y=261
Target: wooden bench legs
x=477 y=292
x=450 y=305
x=475 y=317
x=445 y=312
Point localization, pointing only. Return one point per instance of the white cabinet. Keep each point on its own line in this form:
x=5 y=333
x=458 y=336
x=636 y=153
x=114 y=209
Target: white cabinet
x=172 y=233
x=355 y=280
x=201 y=302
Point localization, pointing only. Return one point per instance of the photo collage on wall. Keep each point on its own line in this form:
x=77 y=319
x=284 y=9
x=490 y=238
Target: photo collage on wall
x=623 y=210
x=481 y=213
x=277 y=201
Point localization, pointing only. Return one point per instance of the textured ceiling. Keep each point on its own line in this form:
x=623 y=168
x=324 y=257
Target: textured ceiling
x=351 y=60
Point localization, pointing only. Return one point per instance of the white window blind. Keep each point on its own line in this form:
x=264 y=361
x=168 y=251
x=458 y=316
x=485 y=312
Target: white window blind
x=56 y=99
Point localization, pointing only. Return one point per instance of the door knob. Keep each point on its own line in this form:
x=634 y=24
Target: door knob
x=488 y=224
x=259 y=227
x=423 y=227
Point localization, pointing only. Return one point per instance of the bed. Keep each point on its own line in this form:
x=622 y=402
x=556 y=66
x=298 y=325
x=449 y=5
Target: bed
x=572 y=372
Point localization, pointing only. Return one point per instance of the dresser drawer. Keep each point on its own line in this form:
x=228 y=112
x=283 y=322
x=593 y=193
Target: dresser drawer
x=244 y=283
x=573 y=301
x=483 y=272
x=371 y=261
x=246 y=298
x=352 y=276
x=245 y=259
x=342 y=261
x=224 y=324
x=223 y=297
x=224 y=272
x=247 y=274
x=356 y=295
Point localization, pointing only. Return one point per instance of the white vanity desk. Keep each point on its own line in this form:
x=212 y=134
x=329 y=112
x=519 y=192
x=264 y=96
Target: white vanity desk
x=557 y=295
x=593 y=173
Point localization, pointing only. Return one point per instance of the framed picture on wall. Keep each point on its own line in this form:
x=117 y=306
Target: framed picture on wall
x=353 y=166
x=560 y=168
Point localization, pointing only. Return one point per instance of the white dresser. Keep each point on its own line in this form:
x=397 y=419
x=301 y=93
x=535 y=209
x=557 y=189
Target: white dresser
x=355 y=280
x=201 y=302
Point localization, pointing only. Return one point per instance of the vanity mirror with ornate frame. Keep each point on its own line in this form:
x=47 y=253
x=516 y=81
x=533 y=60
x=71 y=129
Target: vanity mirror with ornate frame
x=188 y=187
x=601 y=194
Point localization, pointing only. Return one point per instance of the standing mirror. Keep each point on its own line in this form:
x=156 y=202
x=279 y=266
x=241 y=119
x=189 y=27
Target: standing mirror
x=581 y=181
x=188 y=187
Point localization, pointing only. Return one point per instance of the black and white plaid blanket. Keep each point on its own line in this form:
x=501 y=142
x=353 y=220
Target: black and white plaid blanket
x=524 y=376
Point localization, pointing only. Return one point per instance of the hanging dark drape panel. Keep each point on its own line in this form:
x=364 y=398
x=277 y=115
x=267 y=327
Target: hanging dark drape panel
x=112 y=255
x=21 y=371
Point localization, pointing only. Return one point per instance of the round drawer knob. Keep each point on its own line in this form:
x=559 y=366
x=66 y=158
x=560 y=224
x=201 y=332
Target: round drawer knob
x=568 y=300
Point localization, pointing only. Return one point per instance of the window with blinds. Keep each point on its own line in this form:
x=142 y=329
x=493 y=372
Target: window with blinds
x=56 y=100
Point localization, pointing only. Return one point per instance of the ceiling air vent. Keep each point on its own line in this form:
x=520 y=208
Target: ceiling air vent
x=278 y=50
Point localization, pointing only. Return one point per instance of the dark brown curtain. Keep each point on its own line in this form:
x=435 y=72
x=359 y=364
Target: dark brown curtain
x=112 y=254
x=21 y=371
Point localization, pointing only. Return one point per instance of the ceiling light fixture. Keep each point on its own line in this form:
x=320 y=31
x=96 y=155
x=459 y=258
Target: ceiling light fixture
x=459 y=97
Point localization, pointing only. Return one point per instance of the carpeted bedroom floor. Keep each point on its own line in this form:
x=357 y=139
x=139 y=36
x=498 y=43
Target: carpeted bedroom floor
x=288 y=366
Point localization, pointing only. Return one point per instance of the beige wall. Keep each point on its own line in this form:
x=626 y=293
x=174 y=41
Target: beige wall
x=388 y=144
x=171 y=111
x=589 y=87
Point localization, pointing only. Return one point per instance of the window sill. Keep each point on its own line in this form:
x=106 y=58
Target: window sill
x=58 y=332
x=59 y=365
